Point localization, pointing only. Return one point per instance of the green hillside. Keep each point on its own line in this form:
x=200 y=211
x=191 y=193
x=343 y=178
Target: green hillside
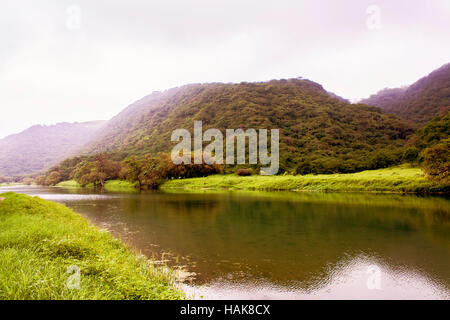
x=319 y=133
x=421 y=101
x=435 y=131
x=39 y=147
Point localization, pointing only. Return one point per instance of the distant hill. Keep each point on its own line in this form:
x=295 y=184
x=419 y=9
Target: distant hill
x=421 y=101
x=39 y=147
x=386 y=99
x=319 y=131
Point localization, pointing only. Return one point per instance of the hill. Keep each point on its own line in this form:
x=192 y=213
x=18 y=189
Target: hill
x=318 y=131
x=39 y=147
x=434 y=132
x=419 y=102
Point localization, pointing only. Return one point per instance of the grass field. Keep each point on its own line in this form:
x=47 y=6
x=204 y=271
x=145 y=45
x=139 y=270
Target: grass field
x=111 y=185
x=40 y=240
x=69 y=184
x=396 y=179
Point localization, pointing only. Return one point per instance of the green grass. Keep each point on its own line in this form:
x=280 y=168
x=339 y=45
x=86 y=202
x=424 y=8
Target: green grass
x=69 y=184
x=110 y=185
x=10 y=184
x=397 y=179
x=39 y=240
x=120 y=185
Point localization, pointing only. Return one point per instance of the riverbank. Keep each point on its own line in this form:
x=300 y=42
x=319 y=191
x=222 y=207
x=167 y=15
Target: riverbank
x=403 y=179
x=400 y=179
x=9 y=184
x=110 y=185
x=41 y=241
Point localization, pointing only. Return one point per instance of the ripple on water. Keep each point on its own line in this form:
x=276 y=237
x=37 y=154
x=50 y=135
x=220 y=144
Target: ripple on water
x=352 y=279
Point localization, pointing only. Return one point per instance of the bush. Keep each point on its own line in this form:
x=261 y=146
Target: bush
x=244 y=172
x=437 y=162
x=53 y=178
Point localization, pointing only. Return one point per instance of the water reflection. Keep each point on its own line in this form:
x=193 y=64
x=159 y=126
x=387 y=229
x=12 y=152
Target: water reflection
x=283 y=245
x=349 y=279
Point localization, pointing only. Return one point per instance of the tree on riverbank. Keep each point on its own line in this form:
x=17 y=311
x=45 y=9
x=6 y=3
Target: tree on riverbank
x=132 y=170
x=148 y=172
x=437 y=162
x=99 y=170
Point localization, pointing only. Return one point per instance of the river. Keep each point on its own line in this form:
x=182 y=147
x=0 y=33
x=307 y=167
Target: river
x=281 y=245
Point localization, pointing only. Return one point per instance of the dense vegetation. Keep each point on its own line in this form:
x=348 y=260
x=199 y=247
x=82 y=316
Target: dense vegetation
x=421 y=101
x=435 y=131
x=39 y=147
x=430 y=147
x=437 y=162
x=145 y=172
x=318 y=132
x=41 y=240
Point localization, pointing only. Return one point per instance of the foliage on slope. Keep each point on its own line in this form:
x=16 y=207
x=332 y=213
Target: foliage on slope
x=39 y=147
x=421 y=101
x=433 y=132
x=319 y=132
x=430 y=147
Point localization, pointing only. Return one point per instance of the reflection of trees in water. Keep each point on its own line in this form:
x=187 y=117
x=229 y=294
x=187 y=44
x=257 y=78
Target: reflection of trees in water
x=286 y=237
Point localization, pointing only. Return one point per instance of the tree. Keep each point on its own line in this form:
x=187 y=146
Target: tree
x=27 y=181
x=40 y=180
x=83 y=172
x=153 y=170
x=53 y=178
x=132 y=170
x=437 y=162
x=97 y=171
x=106 y=168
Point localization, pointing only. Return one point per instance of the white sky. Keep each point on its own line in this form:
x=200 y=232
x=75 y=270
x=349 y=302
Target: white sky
x=52 y=71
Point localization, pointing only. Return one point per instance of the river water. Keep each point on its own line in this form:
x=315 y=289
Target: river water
x=281 y=245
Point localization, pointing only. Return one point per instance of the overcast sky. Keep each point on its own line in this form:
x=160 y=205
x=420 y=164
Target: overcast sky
x=87 y=60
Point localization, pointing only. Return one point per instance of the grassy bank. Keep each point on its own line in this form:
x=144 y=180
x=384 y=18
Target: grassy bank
x=397 y=179
x=39 y=240
x=69 y=184
x=111 y=185
x=9 y=184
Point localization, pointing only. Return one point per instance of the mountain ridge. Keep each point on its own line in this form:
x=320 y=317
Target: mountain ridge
x=314 y=123
x=419 y=102
x=41 y=146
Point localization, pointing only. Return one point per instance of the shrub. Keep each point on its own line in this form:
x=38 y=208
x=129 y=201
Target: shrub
x=437 y=162
x=244 y=172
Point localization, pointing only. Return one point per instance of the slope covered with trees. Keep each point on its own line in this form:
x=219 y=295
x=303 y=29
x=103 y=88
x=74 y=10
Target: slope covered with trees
x=432 y=145
x=421 y=101
x=318 y=132
x=386 y=99
x=39 y=147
